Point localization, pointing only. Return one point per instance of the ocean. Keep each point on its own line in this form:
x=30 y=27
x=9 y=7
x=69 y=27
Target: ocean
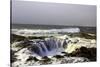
x=48 y=27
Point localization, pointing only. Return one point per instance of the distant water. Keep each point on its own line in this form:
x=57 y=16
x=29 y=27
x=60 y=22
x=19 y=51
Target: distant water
x=46 y=27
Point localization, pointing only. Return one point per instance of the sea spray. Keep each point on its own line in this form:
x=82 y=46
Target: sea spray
x=47 y=47
x=37 y=32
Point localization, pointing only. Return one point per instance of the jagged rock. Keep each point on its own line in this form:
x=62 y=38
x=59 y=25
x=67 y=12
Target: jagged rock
x=89 y=53
x=23 y=51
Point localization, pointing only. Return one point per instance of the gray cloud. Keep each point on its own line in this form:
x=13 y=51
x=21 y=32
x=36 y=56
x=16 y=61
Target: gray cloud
x=26 y=12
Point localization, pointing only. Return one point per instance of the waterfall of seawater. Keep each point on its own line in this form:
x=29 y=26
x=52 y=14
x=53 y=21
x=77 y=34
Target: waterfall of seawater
x=48 y=47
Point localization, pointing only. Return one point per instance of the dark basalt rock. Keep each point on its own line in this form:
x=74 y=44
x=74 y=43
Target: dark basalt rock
x=35 y=37
x=35 y=59
x=46 y=59
x=23 y=45
x=64 y=53
x=32 y=58
x=15 y=38
x=12 y=56
x=58 y=56
x=89 y=53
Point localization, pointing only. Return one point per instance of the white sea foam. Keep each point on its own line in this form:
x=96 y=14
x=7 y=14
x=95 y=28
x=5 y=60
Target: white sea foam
x=30 y=32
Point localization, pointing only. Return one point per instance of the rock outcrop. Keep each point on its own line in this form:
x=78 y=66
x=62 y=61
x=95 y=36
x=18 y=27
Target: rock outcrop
x=27 y=52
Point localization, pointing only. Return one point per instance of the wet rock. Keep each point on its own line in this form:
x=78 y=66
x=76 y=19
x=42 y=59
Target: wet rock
x=15 y=38
x=45 y=57
x=58 y=56
x=36 y=37
x=31 y=58
x=16 y=46
x=89 y=53
x=38 y=57
x=47 y=60
x=12 y=56
x=64 y=53
x=87 y=36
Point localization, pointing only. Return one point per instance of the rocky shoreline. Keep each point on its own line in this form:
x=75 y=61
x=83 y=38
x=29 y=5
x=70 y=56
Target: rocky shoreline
x=82 y=48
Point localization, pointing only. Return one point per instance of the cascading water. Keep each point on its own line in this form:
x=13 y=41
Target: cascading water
x=50 y=46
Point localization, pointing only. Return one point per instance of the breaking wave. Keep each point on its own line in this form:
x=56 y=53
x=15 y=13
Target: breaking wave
x=30 y=32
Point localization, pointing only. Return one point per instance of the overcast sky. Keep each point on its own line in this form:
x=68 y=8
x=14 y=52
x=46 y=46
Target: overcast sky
x=29 y=12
